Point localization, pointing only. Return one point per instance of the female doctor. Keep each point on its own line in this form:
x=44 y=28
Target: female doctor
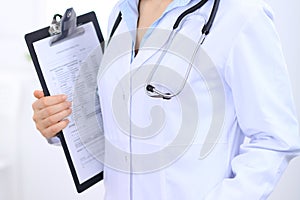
x=180 y=90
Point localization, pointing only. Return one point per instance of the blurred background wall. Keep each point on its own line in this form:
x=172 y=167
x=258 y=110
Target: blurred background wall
x=30 y=169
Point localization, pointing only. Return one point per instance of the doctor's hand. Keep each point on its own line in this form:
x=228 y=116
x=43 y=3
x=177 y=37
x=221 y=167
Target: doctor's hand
x=49 y=113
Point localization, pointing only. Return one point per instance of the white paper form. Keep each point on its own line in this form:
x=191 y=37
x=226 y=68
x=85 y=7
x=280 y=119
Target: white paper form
x=64 y=66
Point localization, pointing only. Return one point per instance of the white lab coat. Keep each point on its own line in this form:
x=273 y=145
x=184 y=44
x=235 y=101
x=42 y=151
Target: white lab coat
x=257 y=104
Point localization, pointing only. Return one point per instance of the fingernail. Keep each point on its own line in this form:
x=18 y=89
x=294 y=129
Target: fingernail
x=64 y=97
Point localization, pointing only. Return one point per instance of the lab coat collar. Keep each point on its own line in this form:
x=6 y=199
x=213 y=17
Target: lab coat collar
x=129 y=10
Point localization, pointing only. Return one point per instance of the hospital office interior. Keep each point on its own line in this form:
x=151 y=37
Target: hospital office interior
x=30 y=169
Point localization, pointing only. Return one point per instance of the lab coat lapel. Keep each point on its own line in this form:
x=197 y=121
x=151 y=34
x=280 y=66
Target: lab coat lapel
x=119 y=50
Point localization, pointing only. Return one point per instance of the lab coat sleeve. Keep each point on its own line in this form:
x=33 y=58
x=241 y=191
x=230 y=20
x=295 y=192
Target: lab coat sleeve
x=257 y=76
x=54 y=141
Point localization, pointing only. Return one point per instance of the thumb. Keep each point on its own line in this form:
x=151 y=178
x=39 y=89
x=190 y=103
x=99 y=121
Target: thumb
x=38 y=94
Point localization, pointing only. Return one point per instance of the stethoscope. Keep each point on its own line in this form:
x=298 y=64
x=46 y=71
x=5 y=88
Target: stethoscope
x=150 y=89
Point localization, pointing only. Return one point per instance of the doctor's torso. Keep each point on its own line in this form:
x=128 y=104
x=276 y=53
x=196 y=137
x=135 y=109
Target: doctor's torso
x=179 y=148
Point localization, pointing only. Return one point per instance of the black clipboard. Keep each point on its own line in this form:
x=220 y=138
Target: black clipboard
x=44 y=33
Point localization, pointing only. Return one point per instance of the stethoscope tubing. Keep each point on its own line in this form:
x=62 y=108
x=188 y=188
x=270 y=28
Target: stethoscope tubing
x=150 y=89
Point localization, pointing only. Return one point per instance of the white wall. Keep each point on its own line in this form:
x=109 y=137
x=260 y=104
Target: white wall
x=30 y=169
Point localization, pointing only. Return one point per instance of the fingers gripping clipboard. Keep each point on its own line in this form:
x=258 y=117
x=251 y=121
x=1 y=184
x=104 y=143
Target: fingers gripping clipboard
x=66 y=56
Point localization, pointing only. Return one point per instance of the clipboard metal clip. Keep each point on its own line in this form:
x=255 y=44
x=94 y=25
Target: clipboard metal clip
x=55 y=25
x=65 y=27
